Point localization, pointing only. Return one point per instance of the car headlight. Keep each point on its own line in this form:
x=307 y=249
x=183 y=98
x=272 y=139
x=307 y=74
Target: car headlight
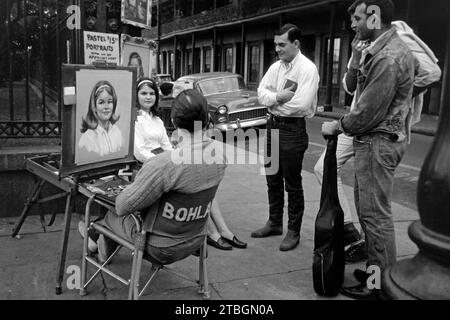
x=222 y=110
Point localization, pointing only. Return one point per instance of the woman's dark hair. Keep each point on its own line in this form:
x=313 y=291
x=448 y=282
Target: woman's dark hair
x=151 y=84
x=189 y=106
x=91 y=120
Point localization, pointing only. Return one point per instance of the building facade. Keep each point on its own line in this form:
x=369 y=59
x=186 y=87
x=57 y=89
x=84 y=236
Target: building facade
x=237 y=36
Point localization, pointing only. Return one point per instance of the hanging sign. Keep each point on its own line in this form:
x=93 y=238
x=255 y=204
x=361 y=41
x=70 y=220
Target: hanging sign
x=101 y=46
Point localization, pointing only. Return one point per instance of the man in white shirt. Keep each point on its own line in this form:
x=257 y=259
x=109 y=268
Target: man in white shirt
x=289 y=90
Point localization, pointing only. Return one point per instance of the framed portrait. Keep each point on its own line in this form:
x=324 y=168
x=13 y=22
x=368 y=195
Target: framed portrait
x=98 y=117
x=137 y=13
x=140 y=53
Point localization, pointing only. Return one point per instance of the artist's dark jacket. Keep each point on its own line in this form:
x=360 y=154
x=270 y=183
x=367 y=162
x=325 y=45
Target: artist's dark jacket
x=384 y=90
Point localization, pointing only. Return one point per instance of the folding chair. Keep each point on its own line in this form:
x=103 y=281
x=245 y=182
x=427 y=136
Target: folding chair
x=191 y=212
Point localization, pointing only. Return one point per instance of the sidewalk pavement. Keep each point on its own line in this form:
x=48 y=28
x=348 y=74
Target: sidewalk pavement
x=28 y=264
x=427 y=126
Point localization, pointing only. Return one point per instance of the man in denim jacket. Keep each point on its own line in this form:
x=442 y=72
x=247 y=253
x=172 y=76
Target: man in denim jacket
x=378 y=125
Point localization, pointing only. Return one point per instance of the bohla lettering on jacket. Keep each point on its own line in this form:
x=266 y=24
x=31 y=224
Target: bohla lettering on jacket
x=185 y=214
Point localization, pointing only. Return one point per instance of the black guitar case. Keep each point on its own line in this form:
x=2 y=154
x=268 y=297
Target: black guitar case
x=329 y=259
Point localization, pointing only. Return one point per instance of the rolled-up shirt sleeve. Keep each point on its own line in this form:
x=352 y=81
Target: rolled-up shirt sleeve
x=375 y=99
x=267 y=94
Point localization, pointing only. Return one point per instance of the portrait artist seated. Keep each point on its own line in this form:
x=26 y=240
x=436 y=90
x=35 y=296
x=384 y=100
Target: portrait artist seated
x=171 y=237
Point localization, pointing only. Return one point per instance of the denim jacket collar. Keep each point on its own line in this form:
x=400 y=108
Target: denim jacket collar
x=381 y=42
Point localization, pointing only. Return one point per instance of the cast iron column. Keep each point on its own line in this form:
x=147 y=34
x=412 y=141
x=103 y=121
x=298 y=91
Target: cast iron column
x=158 y=26
x=243 y=39
x=328 y=106
x=175 y=67
x=427 y=275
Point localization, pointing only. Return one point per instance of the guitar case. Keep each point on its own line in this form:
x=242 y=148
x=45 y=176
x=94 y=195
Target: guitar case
x=329 y=258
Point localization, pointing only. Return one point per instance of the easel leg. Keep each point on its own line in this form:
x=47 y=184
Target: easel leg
x=65 y=239
x=28 y=204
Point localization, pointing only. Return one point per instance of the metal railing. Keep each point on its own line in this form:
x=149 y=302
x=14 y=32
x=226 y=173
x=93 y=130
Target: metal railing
x=30 y=73
x=239 y=10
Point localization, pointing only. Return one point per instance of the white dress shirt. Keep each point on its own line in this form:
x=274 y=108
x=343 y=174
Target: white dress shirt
x=101 y=141
x=300 y=70
x=149 y=134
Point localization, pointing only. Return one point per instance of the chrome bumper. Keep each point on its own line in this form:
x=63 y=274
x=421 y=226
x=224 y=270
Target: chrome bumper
x=241 y=124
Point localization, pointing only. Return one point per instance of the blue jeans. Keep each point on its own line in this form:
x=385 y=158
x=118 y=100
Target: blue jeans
x=376 y=158
x=293 y=142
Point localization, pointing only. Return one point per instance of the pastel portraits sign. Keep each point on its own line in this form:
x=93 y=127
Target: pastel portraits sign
x=137 y=13
x=140 y=53
x=101 y=47
x=103 y=115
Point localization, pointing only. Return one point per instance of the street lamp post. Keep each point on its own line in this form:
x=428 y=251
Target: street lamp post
x=427 y=275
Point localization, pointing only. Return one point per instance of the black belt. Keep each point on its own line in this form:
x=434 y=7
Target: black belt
x=280 y=119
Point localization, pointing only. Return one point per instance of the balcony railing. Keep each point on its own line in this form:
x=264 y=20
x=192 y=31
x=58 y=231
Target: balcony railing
x=243 y=9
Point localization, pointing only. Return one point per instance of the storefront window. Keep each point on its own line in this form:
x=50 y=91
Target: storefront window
x=229 y=59
x=254 y=63
x=336 y=62
x=207 y=60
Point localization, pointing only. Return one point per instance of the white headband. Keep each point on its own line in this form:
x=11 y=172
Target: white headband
x=144 y=81
x=101 y=87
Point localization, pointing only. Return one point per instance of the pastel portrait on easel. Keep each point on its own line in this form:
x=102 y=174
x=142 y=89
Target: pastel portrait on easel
x=103 y=113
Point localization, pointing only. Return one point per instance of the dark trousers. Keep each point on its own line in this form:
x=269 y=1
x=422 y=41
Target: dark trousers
x=125 y=228
x=293 y=142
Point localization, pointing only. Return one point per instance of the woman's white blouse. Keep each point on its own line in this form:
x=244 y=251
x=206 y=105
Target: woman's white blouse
x=149 y=134
x=101 y=141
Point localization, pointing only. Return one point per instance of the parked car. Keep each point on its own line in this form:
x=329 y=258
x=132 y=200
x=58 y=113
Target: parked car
x=231 y=106
x=164 y=82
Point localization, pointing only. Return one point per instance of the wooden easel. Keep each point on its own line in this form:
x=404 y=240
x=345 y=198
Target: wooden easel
x=47 y=174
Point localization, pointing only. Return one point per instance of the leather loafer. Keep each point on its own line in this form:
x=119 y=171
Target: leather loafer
x=235 y=242
x=267 y=231
x=220 y=244
x=361 y=276
x=361 y=292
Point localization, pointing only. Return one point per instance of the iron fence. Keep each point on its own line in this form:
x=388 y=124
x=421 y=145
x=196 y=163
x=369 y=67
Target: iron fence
x=35 y=42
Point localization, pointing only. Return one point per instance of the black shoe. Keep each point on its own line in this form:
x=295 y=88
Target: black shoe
x=361 y=292
x=235 y=242
x=268 y=230
x=361 y=276
x=351 y=234
x=356 y=253
x=219 y=244
x=291 y=241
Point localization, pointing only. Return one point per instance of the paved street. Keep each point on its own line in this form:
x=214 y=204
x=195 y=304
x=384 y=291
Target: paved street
x=259 y=272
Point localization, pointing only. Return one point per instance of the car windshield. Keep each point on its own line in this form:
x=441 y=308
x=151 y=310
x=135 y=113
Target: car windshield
x=164 y=78
x=220 y=85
